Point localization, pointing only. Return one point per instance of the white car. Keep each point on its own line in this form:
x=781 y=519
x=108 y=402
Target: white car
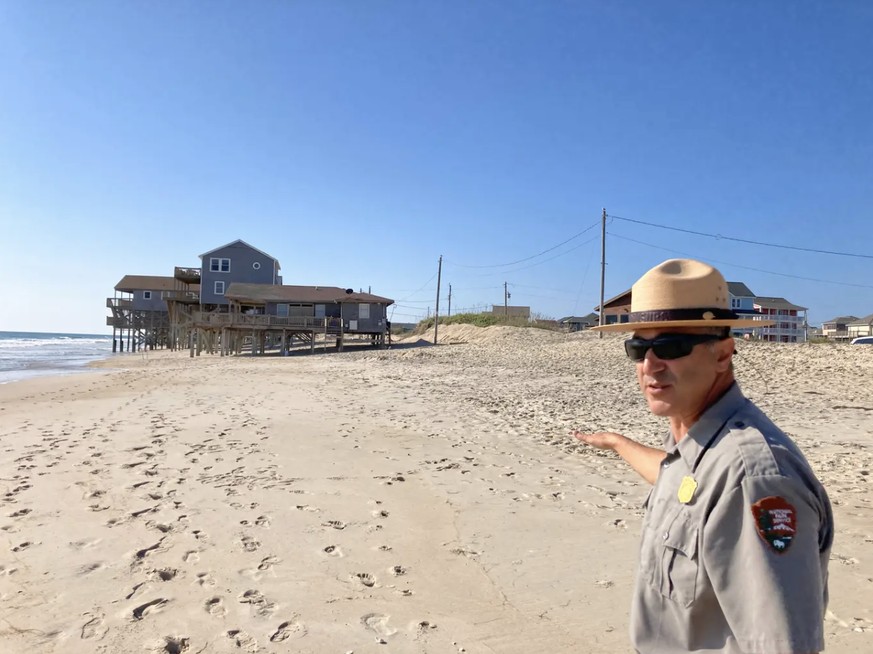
x=863 y=340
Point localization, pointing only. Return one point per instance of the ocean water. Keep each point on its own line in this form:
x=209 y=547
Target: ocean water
x=32 y=354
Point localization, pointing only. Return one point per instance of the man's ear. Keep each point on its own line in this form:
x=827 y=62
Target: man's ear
x=724 y=353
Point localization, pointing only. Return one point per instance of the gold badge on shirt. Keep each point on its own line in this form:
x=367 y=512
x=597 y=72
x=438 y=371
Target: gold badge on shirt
x=686 y=489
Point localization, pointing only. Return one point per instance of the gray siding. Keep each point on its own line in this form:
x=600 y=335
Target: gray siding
x=247 y=266
x=156 y=303
x=376 y=323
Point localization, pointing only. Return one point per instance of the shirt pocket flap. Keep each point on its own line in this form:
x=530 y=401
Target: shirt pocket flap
x=682 y=536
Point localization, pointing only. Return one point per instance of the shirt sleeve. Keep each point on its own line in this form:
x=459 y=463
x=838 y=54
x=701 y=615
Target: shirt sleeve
x=760 y=548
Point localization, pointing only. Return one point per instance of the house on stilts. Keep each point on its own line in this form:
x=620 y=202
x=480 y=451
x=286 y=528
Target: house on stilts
x=236 y=300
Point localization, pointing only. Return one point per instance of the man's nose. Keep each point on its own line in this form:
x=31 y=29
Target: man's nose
x=651 y=362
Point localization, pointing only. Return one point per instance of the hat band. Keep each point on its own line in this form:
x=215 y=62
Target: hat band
x=665 y=315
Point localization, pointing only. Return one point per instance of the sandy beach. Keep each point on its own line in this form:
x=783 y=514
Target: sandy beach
x=416 y=499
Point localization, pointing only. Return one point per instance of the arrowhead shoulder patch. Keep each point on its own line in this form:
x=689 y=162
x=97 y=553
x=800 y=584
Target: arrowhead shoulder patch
x=776 y=522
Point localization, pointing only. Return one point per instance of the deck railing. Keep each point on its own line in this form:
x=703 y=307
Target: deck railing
x=259 y=320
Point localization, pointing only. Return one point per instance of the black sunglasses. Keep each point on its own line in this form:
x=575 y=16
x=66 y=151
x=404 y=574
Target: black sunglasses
x=667 y=346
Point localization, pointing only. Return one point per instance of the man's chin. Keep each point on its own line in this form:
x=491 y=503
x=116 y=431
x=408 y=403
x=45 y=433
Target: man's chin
x=659 y=407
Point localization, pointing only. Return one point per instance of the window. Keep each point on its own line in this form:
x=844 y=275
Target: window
x=319 y=311
x=363 y=311
x=282 y=310
x=146 y=295
x=256 y=265
x=219 y=288
x=217 y=264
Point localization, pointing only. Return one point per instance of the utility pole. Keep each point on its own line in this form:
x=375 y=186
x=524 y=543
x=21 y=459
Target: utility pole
x=436 y=322
x=505 y=300
x=602 y=266
x=450 y=301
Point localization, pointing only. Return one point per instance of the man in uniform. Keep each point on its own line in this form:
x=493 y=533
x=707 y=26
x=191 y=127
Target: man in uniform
x=738 y=530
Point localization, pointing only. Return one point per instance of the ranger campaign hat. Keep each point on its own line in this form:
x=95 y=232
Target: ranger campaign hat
x=681 y=293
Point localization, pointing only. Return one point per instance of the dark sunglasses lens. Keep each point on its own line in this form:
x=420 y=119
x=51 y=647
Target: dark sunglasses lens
x=636 y=348
x=674 y=348
x=666 y=348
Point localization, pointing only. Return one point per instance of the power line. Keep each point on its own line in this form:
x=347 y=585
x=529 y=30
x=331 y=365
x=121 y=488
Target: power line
x=736 y=265
x=533 y=256
x=746 y=240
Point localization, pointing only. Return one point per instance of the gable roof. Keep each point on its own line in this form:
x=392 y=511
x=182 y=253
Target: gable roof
x=841 y=320
x=738 y=289
x=591 y=318
x=777 y=303
x=620 y=300
x=263 y=293
x=131 y=283
x=242 y=242
x=866 y=320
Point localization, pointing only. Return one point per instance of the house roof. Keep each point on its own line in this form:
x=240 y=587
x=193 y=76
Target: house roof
x=777 y=303
x=240 y=241
x=590 y=318
x=263 y=293
x=131 y=283
x=738 y=289
x=842 y=320
x=866 y=320
x=620 y=300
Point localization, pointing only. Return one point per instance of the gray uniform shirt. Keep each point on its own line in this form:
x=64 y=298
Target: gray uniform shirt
x=740 y=563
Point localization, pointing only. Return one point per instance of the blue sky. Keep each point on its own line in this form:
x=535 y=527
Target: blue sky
x=357 y=142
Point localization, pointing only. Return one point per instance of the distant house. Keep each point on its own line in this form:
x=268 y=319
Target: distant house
x=305 y=306
x=617 y=308
x=789 y=320
x=861 y=327
x=743 y=303
x=236 y=262
x=510 y=311
x=837 y=328
x=578 y=323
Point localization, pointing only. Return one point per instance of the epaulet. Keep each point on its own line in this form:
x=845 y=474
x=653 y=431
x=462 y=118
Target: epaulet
x=752 y=443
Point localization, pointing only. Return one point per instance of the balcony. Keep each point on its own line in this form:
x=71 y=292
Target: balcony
x=187 y=275
x=118 y=303
x=187 y=297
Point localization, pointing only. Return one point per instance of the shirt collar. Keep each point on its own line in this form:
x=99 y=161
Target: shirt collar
x=710 y=423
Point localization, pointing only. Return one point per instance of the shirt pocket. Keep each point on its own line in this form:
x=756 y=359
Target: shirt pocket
x=679 y=563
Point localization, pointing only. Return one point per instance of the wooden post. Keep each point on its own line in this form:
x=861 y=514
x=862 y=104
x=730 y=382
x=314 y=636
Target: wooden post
x=191 y=341
x=602 y=267
x=436 y=314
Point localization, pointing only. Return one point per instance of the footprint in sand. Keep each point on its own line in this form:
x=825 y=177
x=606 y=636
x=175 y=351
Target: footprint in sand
x=243 y=640
x=336 y=524
x=268 y=562
x=215 y=606
x=94 y=628
x=365 y=578
x=290 y=629
x=333 y=550
x=378 y=623
x=174 y=645
x=250 y=544
x=149 y=607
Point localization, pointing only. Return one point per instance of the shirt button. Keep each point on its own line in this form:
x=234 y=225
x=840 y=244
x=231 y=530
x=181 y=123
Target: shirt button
x=666 y=535
x=666 y=464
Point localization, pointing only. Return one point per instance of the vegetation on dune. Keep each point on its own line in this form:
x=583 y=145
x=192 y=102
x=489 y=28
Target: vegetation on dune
x=487 y=320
